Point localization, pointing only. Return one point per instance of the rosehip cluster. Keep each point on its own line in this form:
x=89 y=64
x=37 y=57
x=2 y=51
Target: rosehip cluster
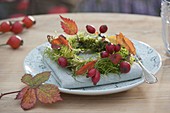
x=111 y=53
x=17 y=26
x=94 y=74
x=91 y=29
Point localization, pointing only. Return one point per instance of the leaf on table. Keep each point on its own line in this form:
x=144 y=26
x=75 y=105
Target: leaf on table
x=48 y=93
x=36 y=80
x=27 y=79
x=40 y=78
x=29 y=99
x=22 y=92
x=69 y=26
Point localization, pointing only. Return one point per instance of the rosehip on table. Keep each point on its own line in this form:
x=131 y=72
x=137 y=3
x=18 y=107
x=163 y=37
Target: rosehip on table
x=110 y=48
x=104 y=54
x=62 y=61
x=115 y=58
x=103 y=28
x=5 y=26
x=28 y=21
x=15 y=42
x=17 y=27
x=91 y=29
x=125 y=67
x=117 y=47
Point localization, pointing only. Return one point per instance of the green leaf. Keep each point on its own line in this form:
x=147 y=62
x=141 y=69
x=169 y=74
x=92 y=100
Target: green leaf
x=29 y=99
x=27 y=79
x=40 y=78
x=48 y=93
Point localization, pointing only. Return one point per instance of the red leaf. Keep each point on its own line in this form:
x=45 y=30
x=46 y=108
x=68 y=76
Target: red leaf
x=48 y=93
x=29 y=99
x=22 y=92
x=69 y=26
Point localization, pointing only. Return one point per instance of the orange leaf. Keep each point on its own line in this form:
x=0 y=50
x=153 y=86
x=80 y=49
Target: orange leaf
x=29 y=99
x=48 y=93
x=69 y=26
x=130 y=45
x=61 y=40
x=122 y=40
x=86 y=67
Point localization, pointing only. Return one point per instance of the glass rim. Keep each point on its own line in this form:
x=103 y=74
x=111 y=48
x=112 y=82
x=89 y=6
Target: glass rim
x=168 y=1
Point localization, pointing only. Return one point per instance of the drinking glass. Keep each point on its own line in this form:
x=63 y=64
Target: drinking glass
x=165 y=15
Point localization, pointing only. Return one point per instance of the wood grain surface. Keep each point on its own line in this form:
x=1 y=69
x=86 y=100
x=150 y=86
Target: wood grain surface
x=145 y=98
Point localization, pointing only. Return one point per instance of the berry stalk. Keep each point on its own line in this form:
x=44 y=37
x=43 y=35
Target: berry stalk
x=3 y=44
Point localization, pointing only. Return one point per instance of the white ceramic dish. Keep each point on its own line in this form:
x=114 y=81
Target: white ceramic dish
x=151 y=59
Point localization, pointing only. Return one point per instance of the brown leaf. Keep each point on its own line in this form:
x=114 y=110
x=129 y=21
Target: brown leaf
x=69 y=26
x=48 y=93
x=29 y=99
x=22 y=92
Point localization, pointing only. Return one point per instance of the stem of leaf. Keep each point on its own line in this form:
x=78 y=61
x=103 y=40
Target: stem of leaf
x=77 y=37
x=3 y=94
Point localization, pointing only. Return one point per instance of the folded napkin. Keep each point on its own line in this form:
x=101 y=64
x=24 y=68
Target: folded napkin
x=66 y=80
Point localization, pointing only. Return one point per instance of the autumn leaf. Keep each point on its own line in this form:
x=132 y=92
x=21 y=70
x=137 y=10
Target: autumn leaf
x=40 y=78
x=122 y=40
x=36 y=89
x=22 y=92
x=27 y=79
x=29 y=99
x=48 y=93
x=36 y=80
x=69 y=26
x=86 y=67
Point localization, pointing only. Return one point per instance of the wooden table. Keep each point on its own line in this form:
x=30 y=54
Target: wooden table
x=142 y=99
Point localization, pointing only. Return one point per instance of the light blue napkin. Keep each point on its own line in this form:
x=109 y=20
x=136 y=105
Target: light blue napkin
x=66 y=80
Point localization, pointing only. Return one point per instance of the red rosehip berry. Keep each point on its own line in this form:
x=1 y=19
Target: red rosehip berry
x=103 y=28
x=91 y=29
x=17 y=27
x=117 y=47
x=125 y=67
x=15 y=42
x=28 y=21
x=104 y=54
x=110 y=48
x=91 y=72
x=5 y=26
x=54 y=46
x=62 y=61
x=96 y=77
